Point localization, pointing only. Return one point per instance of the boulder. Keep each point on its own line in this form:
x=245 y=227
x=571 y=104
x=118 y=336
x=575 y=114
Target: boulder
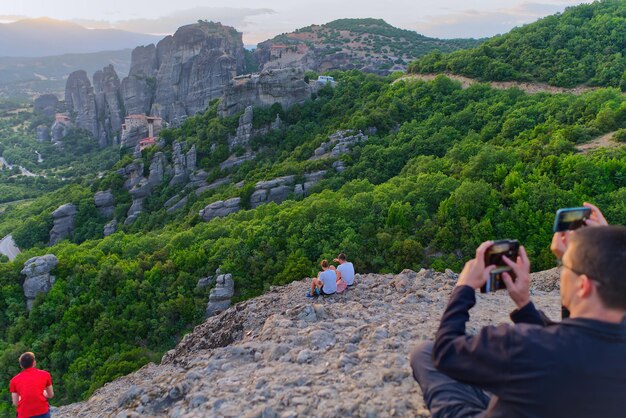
x=220 y=209
x=110 y=228
x=63 y=223
x=221 y=294
x=105 y=202
x=38 y=279
x=178 y=205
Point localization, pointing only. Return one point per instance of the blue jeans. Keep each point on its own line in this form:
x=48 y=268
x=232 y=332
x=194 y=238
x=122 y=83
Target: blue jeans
x=444 y=396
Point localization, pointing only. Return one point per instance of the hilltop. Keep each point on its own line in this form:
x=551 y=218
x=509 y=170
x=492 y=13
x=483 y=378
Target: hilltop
x=583 y=45
x=368 y=44
x=281 y=355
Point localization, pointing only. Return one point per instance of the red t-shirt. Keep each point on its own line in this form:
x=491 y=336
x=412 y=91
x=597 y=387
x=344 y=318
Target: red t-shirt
x=30 y=384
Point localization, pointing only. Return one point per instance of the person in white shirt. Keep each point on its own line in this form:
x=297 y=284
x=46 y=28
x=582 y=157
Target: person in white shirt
x=325 y=283
x=345 y=269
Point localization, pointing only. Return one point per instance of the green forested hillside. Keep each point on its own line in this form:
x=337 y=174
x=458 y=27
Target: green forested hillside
x=583 y=45
x=446 y=169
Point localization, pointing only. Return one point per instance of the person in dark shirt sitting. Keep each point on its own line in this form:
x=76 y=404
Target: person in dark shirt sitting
x=535 y=368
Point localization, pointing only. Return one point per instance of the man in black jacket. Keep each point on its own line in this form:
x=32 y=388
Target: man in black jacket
x=535 y=368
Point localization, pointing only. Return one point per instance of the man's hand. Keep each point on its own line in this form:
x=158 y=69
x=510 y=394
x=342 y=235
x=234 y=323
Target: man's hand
x=475 y=273
x=559 y=243
x=596 y=218
x=519 y=290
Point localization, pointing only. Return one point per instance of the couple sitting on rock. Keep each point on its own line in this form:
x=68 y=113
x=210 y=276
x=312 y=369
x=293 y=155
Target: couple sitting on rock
x=536 y=367
x=333 y=279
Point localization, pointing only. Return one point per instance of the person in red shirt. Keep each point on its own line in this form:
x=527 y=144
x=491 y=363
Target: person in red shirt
x=30 y=389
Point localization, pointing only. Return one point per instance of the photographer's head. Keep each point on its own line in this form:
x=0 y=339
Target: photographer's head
x=592 y=278
x=27 y=360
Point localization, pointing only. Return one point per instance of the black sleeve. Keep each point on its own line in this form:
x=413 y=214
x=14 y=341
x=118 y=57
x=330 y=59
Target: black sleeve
x=528 y=314
x=483 y=360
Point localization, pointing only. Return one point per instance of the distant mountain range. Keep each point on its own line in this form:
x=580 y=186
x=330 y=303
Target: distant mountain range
x=30 y=77
x=46 y=37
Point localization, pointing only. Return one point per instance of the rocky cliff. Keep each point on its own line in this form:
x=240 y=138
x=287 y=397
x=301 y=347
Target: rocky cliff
x=184 y=72
x=285 y=86
x=281 y=355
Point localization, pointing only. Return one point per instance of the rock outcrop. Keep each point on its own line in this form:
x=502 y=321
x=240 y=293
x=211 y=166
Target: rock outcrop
x=98 y=109
x=221 y=294
x=184 y=164
x=105 y=203
x=289 y=356
x=285 y=86
x=220 y=209
x=43 y=133
x=109 y=105
x=63 y=223
x=339 y=143
x=138 y=88
x=110 y=228
x=276 y=190
x=184 y=72
x=47 y=105
x=80 y=101
x=38 y=279
x=245 y=130
x=58 y=131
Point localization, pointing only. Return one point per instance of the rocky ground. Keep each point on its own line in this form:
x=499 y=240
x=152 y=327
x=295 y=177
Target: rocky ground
x=282 y=355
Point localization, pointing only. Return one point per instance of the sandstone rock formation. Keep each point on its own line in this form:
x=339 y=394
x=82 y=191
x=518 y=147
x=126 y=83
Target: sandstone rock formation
x=110 y=228
x=58 y=131
x=109 y=105
x=285 y=86
x=339 y=143
x=98 y=109
x=220 y=209
x=47 y=105
x=245 y=130
x=184 y=72
x=221 y=294
x=38 y=279
x=138 y=88
x=105 y=202
x=281 y=355
x=184 y=164
x=43 y=133
x=81 y=102
x=63 y=223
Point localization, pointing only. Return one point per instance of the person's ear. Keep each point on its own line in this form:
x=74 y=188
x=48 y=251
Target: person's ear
x=585 y=286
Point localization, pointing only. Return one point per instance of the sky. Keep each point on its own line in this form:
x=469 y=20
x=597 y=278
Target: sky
x=263 y=19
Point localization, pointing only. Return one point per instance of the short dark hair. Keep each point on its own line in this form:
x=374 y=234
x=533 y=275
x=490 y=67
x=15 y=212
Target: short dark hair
x=342 y=256
x=27 y=360
x=324 y=264
x=600 y=253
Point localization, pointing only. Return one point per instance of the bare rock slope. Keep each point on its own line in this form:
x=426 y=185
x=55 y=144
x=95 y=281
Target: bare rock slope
x=282 y=355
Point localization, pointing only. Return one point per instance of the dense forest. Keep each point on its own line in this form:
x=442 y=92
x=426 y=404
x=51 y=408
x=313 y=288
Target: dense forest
x=583 y=45
x=443 y=169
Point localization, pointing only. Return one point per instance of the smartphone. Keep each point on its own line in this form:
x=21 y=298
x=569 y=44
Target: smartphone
x=568 y=219
x=493 y=256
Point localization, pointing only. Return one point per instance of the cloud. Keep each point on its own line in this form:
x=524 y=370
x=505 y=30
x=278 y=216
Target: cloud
x=480 y=23
x=236 y=17
x=11 y=18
